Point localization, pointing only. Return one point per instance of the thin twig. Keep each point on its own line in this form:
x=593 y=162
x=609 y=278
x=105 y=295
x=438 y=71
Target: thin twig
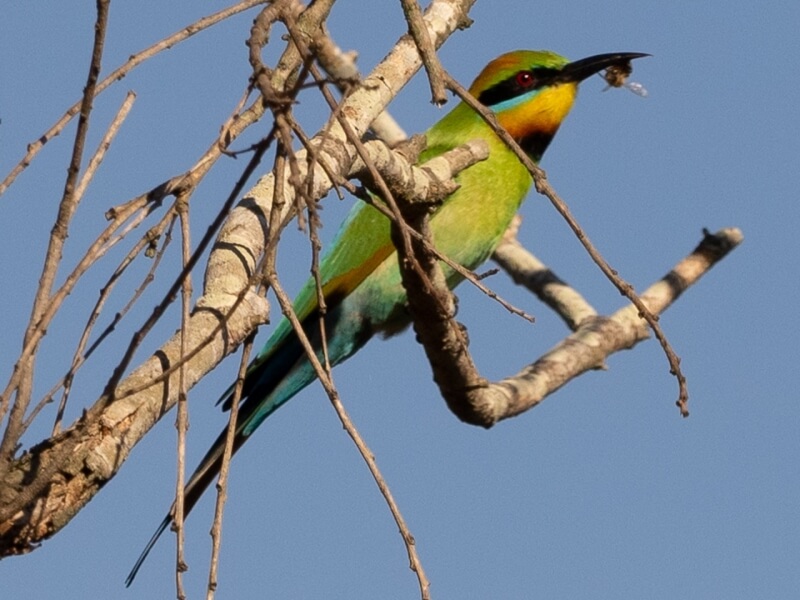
x=96 y=160
x=141 y=207
x=369 y=458
x=418 y=31
x=208 y=236
x=182 y=420
x=224 y=469
x=91 y=169
x=341 y=67
x=67 y=207
x=97 y=249
x=117 y=74
x=80 y=357
x=408 y=539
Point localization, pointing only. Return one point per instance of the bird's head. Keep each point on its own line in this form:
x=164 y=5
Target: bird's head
x=532 y=91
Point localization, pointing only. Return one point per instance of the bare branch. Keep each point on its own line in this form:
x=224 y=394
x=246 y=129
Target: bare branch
x=182 y=419
x=164 y=226
x=476 y=401
x=97 y=445
x=117 y=74
x=418 y=31
x=68 y=470
x=324 y=376
x=66 y=209
x=341 y=67
x=222 y=483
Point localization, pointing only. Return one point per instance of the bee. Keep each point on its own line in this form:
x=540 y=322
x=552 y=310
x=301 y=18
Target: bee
x=617 y=75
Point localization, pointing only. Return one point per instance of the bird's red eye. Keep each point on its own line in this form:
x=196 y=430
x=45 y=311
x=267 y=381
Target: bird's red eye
x=525 y=79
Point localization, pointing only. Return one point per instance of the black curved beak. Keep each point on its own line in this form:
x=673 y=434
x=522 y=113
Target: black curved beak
x=581 y=69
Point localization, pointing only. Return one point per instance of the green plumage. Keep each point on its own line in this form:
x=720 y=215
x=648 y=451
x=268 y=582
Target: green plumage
x=489 y=195
x=530 y=93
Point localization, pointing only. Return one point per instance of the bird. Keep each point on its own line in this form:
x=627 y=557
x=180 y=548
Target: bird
x=530 y=93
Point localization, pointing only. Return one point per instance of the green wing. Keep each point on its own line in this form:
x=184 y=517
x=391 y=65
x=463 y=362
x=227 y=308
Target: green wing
x=362 y=243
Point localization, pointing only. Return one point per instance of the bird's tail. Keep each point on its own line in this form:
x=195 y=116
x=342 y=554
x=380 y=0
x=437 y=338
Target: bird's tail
x=203 y=476
x=276 y=375
x=270 y=382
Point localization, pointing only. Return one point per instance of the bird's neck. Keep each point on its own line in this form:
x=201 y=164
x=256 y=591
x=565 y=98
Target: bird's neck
x=534 y=122
x=534 y=144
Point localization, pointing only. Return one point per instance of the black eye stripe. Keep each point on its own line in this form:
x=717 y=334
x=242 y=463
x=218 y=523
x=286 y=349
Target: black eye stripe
x=510 y=88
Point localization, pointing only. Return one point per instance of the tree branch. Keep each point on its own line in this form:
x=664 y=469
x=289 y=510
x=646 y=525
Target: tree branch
x=88 y=453
x=479 y=402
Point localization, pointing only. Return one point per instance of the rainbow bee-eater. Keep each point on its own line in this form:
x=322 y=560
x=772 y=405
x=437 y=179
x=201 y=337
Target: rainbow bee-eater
x=530 y=93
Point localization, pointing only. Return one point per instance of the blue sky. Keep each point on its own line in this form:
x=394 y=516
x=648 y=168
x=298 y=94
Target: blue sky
x=601 y=492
